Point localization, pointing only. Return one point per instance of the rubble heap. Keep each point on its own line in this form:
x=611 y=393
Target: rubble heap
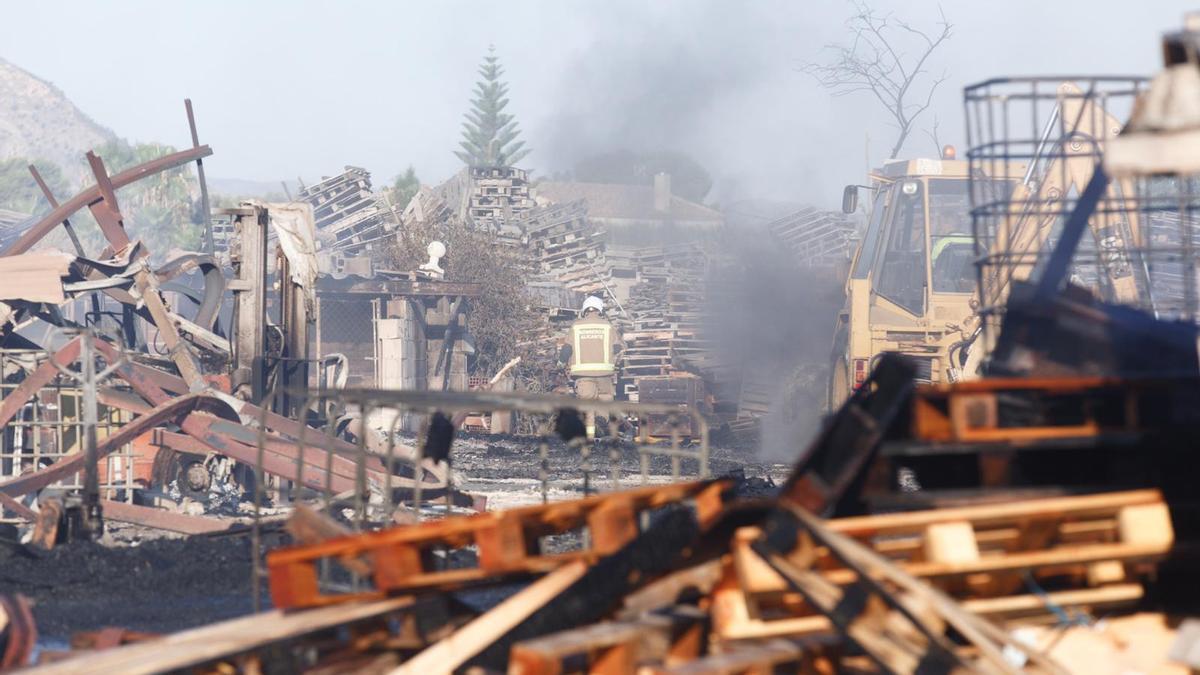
x=663 y=320
x=721 y=576
x=176 y=383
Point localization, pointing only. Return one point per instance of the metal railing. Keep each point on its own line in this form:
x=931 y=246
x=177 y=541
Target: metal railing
x=353 y=462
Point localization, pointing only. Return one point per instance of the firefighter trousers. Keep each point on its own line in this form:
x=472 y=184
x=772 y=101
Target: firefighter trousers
x=598 y=388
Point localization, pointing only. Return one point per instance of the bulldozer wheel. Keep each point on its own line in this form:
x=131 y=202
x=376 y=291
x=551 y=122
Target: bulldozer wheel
x=839 y=384
x=839 y=368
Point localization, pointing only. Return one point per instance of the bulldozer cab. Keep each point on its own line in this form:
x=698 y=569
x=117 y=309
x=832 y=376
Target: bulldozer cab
x=913 y=277
x=923 y=243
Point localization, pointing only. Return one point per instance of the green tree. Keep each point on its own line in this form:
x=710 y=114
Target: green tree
x=404 y=187
x=489 y=133
x=19 y=192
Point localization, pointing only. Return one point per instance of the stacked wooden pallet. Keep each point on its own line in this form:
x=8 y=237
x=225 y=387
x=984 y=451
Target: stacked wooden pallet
x=756 y=396
x=815 y=237
x=427 y=206
x=564 y=245
x=347 y=213
x=666 y=310
x=490 y=199
x=497 y=199
x=664 y=320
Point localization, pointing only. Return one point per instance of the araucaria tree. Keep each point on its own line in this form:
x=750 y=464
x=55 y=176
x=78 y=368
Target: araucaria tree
x=489 y=133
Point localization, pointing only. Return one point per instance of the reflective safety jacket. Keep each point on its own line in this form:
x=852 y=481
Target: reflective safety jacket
x=593 y=342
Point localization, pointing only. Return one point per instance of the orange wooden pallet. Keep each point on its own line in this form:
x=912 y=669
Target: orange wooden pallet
x=507 y=541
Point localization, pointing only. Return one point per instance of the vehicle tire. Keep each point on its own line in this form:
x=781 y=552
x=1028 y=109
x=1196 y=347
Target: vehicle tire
x=186 y=470
x=839 y=369
x=839 y=384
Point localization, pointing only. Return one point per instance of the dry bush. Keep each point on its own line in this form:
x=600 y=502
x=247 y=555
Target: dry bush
x=501 y=314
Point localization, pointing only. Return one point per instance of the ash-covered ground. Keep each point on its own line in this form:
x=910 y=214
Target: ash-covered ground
x=147 y=581
x=506 y=468
x=158 y=585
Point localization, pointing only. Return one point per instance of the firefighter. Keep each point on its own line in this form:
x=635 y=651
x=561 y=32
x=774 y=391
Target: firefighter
x=590 y=351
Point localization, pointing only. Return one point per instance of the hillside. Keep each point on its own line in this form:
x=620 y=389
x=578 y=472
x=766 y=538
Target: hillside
x=38 y=121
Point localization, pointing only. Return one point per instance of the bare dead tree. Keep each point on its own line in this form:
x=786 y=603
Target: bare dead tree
x=876 y=62
x=933 y=136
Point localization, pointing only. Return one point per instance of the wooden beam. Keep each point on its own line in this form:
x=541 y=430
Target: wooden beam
x=893 y=523
x=162 y=519
x=191 y=648
x=993 y=608
x=761 y=658
x=453 y=651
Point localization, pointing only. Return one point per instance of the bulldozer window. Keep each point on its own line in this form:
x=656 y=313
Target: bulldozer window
x=866 y=257
x=902 y=275
x=951 y=245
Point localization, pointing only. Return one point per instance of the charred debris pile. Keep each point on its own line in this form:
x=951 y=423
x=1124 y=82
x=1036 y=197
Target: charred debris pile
x=194 y=392
x=301 y=397
x=835 y=570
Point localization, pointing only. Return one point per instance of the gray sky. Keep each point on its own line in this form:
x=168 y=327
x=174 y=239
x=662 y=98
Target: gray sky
x=301 y=88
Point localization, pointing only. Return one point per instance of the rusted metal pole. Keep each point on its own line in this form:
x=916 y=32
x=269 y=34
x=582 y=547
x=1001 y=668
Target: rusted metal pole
x=78 y=246
x=256 y=571
x=93 y=518
x=37 y=177
x=209 y=245
x=108 y=214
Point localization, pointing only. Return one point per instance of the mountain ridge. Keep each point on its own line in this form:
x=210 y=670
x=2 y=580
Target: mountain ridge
x=40 y=123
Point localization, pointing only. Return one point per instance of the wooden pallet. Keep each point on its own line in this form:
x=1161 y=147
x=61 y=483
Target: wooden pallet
x=902 y=624
x=902 y=633
x=507 y=543
x=792 y=593
x=1088 y=407
x=1099 y=546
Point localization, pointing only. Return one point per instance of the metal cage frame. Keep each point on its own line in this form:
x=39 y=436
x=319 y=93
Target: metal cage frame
x=1033 y=145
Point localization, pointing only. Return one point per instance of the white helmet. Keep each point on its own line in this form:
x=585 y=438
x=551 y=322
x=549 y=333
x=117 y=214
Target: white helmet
x=592 y=302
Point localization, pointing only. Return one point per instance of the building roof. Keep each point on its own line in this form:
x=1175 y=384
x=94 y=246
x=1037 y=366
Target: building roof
x=625 y=202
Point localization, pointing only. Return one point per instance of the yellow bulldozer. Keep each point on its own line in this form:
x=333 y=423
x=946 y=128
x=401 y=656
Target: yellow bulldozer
x=912 y=279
